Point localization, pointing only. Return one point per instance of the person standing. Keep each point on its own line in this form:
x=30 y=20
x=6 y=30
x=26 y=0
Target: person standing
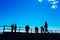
x=46 y=26
x=42 y=29
x=12 y=26
x=27 y=28
x=15 y=28
x=36 y=29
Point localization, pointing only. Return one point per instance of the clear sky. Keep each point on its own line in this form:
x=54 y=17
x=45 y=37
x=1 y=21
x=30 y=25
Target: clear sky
x=30 y=12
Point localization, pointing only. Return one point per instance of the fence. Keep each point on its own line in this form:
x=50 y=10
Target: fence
x=22 y=29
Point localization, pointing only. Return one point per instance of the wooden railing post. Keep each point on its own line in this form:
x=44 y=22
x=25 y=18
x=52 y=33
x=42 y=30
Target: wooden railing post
x=4 y=28
x=31 y=30
x=19 y=29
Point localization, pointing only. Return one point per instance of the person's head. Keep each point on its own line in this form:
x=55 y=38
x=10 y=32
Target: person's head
x=15 y=25
x=27 y=26
x=45 y=22
x=12 y=24
x=36 y=27
x=41 y=27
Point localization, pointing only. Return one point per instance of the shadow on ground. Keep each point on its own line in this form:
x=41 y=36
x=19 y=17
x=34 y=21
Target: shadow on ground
x=29 y=36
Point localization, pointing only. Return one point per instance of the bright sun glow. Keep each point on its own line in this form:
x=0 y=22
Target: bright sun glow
x=54 y=6
x=51 y=0
x=40 y=0
x=55 y=2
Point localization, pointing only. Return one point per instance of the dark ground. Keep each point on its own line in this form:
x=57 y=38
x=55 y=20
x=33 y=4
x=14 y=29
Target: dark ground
x=30 y=36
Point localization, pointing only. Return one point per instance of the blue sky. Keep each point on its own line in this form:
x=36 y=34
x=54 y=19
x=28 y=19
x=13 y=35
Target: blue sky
x=30 y=12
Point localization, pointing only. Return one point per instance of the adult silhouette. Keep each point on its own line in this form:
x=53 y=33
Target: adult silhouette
x=36 y=29
x=42 y=29
x=27 y=28
x=46 y=26
x=15 y=28
x=12 y=27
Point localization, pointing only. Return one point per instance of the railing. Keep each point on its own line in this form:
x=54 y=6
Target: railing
x=9 y=29
x=22 y=29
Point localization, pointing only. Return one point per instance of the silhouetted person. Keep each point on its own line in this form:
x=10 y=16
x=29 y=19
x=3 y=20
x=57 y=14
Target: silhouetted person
x=27 y=29
x=15 y=28
x=36 y=29
x=46 y=26
x=12 y=27
x=42 y=29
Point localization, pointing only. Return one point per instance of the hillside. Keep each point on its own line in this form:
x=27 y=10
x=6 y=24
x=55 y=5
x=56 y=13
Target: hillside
x=29 y=36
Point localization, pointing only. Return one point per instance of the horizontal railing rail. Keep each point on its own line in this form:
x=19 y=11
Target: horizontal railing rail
x=22 y=29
